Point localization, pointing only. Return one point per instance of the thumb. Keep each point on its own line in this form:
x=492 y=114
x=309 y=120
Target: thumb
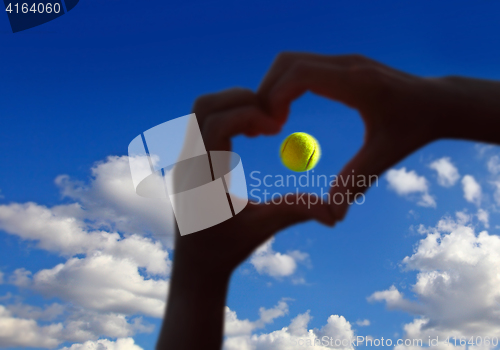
x=292 y=209
x=358 y=175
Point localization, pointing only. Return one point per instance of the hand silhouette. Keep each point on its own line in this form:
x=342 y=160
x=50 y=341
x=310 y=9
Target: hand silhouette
x=203 y=261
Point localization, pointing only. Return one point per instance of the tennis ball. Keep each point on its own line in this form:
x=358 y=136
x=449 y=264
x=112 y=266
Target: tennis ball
x=300 y=152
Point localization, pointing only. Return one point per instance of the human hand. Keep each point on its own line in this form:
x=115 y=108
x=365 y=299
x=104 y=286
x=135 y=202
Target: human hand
x=223 y=247
x=401 y=112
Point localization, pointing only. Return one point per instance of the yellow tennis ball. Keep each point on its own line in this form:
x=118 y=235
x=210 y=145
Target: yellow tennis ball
x=300 y=152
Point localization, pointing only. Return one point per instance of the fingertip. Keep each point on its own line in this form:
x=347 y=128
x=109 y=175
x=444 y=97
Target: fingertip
x=328 y=221
x=339 y=211
x=322 y=213
x=269 y=126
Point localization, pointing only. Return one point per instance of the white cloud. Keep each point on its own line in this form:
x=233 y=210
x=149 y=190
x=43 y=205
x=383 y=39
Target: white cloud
x=457 y=287
x=113 y=272
x=107 y=278
x=427 y=201
x=494 y=165
x=109 y=199
x=496 y=195
x=297 y=336
x=484 y=217
x=119 y=344
x=447 y=173
x=406 y=183
x=363 y=323
x=79 y=325
x=20 y=277
x=20 y=332
x=69 y=236
x=83 y=325
x=107 y=204
x=108 y=287
x=144 y=252
x=472 y=190
x=54 y=232
x=34 y=312
x=268 y=315
x=236 y=327
x=462 y=218
x=275 y=264
x=395 y=301
x=104 y=283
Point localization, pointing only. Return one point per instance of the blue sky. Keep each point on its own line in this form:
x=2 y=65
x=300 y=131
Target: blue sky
x=77 y=90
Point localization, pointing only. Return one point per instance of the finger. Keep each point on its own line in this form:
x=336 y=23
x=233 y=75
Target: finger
x=361 y=173
x=280 y=65
x=220 y=127
x=291 y=209
x=336 y=83
x=223 y=100
x=284 y=61
x=313 y=73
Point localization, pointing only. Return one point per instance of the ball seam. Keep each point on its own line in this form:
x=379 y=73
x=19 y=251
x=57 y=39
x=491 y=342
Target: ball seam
x=283 y=149
x=311 y=157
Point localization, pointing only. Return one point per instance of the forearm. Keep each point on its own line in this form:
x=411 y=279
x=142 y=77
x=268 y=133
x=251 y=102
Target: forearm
x=194 y=316
x=470 y=109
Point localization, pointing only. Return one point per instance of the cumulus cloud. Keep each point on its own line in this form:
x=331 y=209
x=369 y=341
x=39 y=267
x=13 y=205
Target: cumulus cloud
x=275 y=264
x=21 y=332
x=82 y=325
x=105 y=289
x=395 y=301
x=107 y=278
x=447 y=173
x=69 y=236
x=119 y=344
x=408 y=183
x=457 y=288
x=105 y=283
x=116 y=267
x=53 y=232
x=236 y=327
x=297 y=336
x=472 y=190
x=109 y=200
x=19 y=325
x=108 y=203
x=48 y=313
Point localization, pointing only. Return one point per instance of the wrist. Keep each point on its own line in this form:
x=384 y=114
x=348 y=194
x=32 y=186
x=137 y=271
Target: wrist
x=195 y=307
x=195 y=261
x=468 y=108
x=193 y=276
